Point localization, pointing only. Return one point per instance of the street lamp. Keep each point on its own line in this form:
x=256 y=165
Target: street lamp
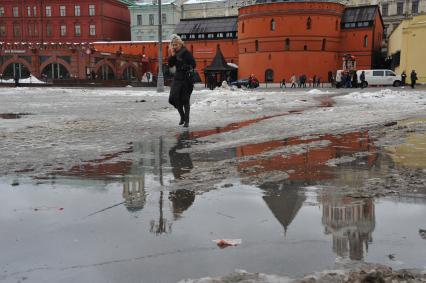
x=160 y=78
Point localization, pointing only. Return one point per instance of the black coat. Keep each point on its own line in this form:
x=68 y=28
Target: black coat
x=182 y=84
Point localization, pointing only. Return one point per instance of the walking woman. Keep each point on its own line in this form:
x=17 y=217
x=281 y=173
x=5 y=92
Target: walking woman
x=183 y=81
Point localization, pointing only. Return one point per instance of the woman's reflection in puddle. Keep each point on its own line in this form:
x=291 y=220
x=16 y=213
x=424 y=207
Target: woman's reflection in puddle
x=181 y=164
x=180 y=161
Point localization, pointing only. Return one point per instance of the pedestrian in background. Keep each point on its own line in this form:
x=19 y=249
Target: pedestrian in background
x=355 y=80
x=362 y=78
x=413 y=77
x=183 y=81
x=293 y=81
x=403 y=78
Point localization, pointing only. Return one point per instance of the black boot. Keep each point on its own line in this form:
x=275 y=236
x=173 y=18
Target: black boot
x=186 y=124
x=182 y=115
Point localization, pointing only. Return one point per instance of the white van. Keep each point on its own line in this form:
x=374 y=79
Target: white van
x=373 y=77
x=380 y=77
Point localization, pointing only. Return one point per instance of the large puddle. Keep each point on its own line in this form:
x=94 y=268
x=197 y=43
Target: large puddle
x=132 y=221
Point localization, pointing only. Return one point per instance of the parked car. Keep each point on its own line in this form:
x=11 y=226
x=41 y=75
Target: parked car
x=373 y=77
x=245 y=83
x=380 y=77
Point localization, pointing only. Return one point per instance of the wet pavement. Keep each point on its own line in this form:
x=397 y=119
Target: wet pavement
x=140 y=219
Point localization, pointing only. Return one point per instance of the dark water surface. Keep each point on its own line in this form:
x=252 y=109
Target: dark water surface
x=129 y=221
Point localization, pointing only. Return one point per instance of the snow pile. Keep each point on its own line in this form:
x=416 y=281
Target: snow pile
x=317 y=91
x=242 y=276
x=31 y=80
x=387 y=94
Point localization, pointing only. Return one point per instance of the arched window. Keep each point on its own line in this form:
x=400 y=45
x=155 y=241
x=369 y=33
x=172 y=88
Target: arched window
x=366 y=41
x=272 y=25
x=242 y=28
x=308 y=23
x=324 y=41
x=256 y=45
x=269 y=75
x=287 y=44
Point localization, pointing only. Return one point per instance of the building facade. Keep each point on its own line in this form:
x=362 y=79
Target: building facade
x=63 y=21
x=395 y=11
x=275 y=38
x=406 y=45
x=205 y=9
x=62 y=61
x=144 y=19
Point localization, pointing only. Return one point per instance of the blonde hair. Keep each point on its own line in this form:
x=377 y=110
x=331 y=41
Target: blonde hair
x=174 y=38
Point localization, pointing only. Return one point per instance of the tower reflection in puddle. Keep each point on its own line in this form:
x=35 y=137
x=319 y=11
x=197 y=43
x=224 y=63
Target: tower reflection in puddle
x=284 y=199
x=134 y=192
x=351 y=221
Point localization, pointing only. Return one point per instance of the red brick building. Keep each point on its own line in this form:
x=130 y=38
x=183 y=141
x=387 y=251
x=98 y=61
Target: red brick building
x=271 y=40
x=275 y=40
x=63 y=21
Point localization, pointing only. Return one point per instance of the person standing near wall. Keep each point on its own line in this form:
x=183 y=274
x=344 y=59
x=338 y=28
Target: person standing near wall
x=183 y=81
x=403 y=78
x=293 y=81
x=413 y=77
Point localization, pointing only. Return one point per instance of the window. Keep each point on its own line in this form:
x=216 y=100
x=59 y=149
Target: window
x=366 y=41
x=305 y=47
x=378 y=73
x=390 y=73
x=15 y=11
x=256 y=45
x=30 y=30
x=308 y=23
x=49 y=30
x=139 y=20
x=164 y=19
x=29 y=11
x=242 y=28
x=324 y=41
x=151 y=19
x=272 y=26
x=62 y=11
x=77 y=10
x=399 y=8
x=77 y=30
x=48 y=11
x=34 y=11
x=337 y=25
x=2 y=30
x=385 y=9
x=1 y=11
x=16 y=30
x=287 y=44
x=91 y=10
x=63 y=30
x=92 y=30
x=415 y=7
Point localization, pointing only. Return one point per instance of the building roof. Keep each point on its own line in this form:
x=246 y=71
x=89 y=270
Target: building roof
x=218 y=63
x=359 y=14
x=207 y=25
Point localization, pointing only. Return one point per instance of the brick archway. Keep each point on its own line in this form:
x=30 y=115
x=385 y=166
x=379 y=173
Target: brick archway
x=105 y=62
x=135 y=68
x=53 y=61
x=16 y=59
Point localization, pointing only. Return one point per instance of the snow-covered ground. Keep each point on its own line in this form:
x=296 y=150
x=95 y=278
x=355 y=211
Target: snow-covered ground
x=67 y=125
x=56 y=129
